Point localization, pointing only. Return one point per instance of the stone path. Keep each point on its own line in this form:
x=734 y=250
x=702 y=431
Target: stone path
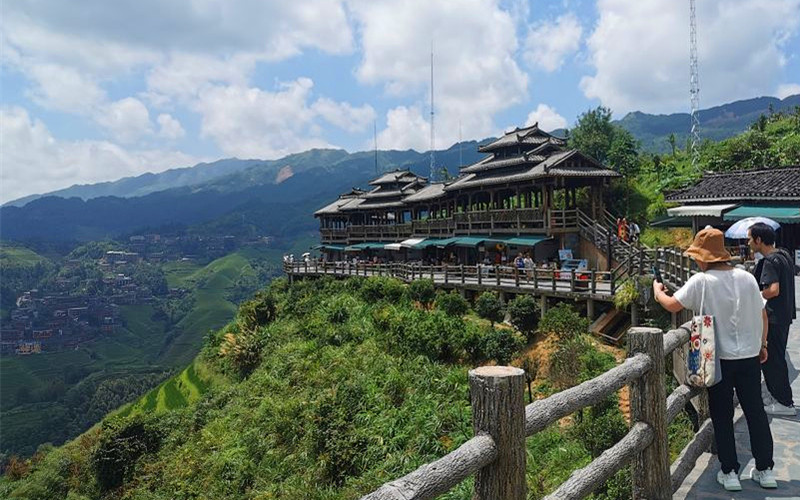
x=702 y=483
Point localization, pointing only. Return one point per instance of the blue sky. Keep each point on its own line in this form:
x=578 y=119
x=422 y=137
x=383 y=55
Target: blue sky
x=113 y=89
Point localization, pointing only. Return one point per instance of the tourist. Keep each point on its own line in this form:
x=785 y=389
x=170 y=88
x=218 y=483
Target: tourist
x=625 y=230
x=619 y=229
x=775 y=276
x=732 y=297
x=634 y=231
x=528 y=262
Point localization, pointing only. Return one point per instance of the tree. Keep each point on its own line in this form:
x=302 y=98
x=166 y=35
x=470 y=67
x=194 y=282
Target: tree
x=524 y=314
x=672 y=140
x=623 y=155
x=488 y=306
x=594 y=133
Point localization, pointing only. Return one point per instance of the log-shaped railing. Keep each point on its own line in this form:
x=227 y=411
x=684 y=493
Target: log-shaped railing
x=496 y=455
x=544 y=279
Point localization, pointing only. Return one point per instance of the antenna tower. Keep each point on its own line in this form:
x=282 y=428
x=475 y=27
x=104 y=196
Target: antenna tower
x=433 y=136
x=694 y=87
x=375 y=138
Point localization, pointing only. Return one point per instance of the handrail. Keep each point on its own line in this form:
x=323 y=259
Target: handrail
x=588 y=282
x=644 y=445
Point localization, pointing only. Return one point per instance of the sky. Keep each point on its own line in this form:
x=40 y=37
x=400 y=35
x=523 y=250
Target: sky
x=98 y=90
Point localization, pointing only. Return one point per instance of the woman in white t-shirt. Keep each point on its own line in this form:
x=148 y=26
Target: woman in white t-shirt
x=733 y=298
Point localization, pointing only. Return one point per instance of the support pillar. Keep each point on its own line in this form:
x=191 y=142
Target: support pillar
x=543 y=304
x=590 y=309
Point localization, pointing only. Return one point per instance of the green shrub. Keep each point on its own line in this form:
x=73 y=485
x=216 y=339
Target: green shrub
x=453 y=304
x=376 y=289
x=422 y=291
x=601 y=427
x=337 y=310
x=524 y=314
x=563 y=320
x=256 y=312
x=123 y=441
x=566 y=362
x=626 y=294
x=501 y=344
x=488 y=306
x=241 y=348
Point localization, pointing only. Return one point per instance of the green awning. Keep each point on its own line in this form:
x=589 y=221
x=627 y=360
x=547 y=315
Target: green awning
x=427 y=243
x=328 y=247
x=524 y=241
x=786 y=215
x=473 y=241
x=364 y=246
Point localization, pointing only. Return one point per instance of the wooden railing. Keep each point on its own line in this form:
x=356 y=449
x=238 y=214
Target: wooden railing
x=496 y=455
x=555 y=281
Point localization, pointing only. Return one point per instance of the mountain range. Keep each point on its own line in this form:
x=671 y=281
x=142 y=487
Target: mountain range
x=276 y=197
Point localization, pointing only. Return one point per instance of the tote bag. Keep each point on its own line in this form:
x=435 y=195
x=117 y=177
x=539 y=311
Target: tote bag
x=702 y=366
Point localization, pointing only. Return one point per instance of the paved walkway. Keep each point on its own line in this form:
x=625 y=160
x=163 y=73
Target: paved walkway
x=702 y=481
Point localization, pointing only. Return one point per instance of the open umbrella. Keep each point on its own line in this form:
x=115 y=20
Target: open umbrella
x=738 y=231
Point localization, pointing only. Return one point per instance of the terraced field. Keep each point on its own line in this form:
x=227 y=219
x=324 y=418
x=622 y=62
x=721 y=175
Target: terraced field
x=176 y=392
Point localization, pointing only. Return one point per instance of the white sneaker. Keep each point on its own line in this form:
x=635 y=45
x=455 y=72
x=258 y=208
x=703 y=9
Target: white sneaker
x=730 y=480
x=779 y=409
x=766 y=478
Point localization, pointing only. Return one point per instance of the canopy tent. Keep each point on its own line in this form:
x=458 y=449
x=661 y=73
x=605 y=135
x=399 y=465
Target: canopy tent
x=411 y=242
x=785 y=215
x=392 y=246
x=700 y=210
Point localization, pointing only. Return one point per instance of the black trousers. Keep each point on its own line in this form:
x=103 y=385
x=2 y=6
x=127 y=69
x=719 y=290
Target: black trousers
x=776 y=371
x=744 y=375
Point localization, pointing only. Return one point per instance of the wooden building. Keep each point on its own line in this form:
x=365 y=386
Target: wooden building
x=528 y=190
x=720 y=199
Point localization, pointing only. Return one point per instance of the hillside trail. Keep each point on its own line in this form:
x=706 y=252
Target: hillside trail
x=701 y=483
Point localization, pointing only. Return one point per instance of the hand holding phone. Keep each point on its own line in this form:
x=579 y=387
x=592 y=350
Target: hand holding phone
x=657 y=275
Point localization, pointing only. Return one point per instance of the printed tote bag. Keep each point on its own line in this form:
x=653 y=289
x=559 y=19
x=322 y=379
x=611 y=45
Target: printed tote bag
x=702 y=365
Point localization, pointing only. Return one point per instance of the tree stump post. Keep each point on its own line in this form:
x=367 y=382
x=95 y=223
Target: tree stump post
x=651 y=476
x=498 y=409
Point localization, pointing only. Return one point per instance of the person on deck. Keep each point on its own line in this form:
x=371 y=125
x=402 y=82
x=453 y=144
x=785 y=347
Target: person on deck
x=775 y=276
x=732 y=297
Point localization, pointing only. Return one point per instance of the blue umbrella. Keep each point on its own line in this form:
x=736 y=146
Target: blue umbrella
x=738 y=231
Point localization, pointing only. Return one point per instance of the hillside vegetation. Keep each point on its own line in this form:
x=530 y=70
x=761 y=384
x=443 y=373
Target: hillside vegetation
x=54 y=396
x=326 y=389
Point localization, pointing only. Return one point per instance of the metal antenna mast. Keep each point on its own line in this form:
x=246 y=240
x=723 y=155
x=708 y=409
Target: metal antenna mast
x=375 y=137
x=694 y=87
x=433 y=143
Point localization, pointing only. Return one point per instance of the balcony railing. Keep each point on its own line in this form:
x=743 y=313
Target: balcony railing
x=525 y=220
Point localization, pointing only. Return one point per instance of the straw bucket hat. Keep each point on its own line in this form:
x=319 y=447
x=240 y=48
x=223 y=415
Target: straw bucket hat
x=708 y=246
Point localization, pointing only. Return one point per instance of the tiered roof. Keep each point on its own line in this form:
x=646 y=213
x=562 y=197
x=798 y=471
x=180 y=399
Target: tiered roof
x=770 y=184
x=522 y=155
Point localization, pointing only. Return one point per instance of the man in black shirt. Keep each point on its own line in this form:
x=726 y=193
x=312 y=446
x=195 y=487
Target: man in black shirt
x=775 y=276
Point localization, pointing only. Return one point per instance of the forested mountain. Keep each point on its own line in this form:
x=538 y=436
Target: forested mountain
x=278 y=197
x=716 y=124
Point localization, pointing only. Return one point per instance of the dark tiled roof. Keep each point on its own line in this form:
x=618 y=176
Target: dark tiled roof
x=777 y=183
x=532 y=157
x=395 y=176
x=430 y=192
x=521 y=136
x=557 y=165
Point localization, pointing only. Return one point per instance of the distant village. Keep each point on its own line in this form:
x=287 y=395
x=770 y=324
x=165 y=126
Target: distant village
x=72 y=311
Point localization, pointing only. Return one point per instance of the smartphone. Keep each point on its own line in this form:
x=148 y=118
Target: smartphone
x=657 y=274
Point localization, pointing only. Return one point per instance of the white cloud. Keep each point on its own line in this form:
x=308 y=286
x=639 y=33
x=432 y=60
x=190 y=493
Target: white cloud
x=127 y=120
x=546 y=117
x=33 y=161
x=547 y=45
x=169 y=127
x=63 y=88
x=344 y=115
x=787 y=89
x=640 y=52
x=476 y=75
x=405 y=128
x=253 y=123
